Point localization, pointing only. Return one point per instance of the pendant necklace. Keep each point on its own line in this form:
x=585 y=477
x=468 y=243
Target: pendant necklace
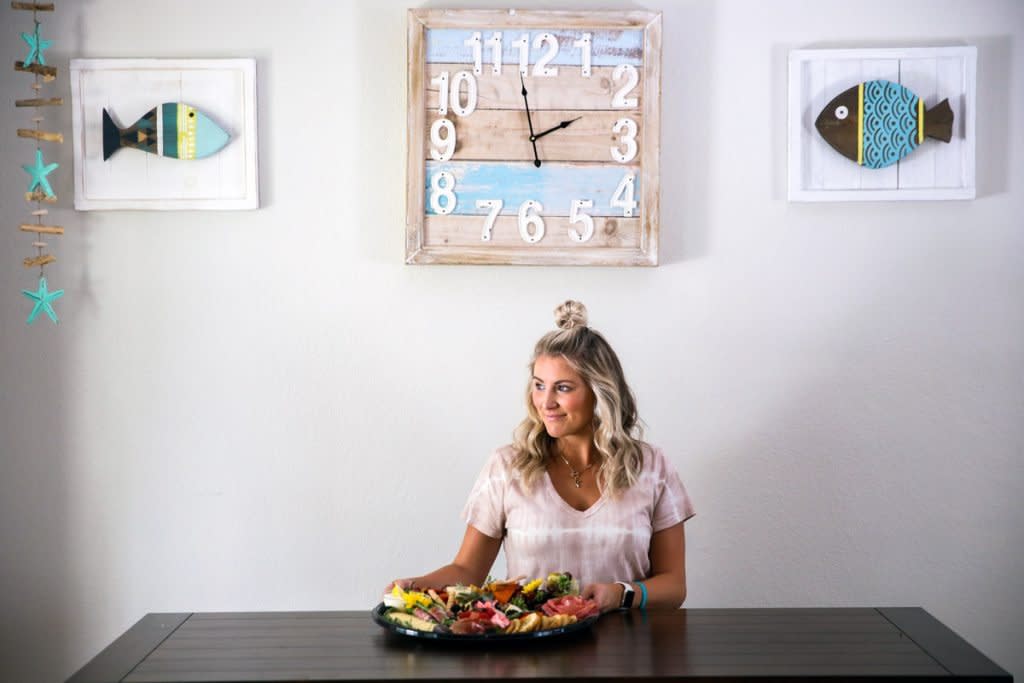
x=576 y=476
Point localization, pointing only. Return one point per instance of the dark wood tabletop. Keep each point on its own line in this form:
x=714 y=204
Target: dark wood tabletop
x=833 y=644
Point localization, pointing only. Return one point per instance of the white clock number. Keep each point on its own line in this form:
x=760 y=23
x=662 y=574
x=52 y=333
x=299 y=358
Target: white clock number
x=474 y=42
x=541 y=67
x=442 y=148
x=528 y=219
x=495 y=206
x=453 y=91
x=442 y=192
x=623 y=197
x=495 y=43
x=577 y=216
x=457 y=106
x=584 y=45
x=632 y=78
x=628 y=138
x=441 y=81
x=523 y=43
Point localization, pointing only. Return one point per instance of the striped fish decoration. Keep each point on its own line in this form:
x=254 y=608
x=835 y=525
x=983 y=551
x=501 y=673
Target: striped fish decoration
x=171 y=129
x=877 y=123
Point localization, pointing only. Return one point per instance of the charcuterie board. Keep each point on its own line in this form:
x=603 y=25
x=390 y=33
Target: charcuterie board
x=575 y=627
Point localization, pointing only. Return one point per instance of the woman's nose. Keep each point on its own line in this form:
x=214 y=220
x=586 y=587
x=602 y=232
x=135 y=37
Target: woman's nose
x=550 y=399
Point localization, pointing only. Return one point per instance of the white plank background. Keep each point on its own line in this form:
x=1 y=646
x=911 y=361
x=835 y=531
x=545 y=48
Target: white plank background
x=935 y=170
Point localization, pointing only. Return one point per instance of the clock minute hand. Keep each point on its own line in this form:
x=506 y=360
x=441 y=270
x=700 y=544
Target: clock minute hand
x=563 y=124
x=529 y=121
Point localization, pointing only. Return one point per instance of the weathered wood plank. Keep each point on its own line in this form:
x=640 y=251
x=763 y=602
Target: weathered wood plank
x=554 y=185
x=39 y=260
x=42 y=229
x=608 y=48
x=505 y=91
x=40 y=102
x=40 y=135
x=48 y=73
x=467 y=231
x=505 y=136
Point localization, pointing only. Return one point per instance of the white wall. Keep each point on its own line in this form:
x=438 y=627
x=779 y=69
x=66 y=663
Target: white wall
x=269 y=411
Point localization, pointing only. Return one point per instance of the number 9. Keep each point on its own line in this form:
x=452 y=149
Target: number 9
x=437 y=143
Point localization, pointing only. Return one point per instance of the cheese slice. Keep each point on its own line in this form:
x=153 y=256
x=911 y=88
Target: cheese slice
x=411 y=621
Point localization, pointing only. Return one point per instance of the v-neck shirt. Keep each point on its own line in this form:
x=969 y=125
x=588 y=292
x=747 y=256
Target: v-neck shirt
x=542 y=533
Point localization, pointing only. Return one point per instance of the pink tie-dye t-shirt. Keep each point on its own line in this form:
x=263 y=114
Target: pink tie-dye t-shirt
x=609 y=541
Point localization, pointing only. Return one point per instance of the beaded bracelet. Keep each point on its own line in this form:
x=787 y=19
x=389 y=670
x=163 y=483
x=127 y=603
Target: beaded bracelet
x=643 y=594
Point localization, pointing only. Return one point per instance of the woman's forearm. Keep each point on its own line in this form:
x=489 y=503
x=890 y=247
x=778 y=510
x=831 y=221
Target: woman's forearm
x=663 y=590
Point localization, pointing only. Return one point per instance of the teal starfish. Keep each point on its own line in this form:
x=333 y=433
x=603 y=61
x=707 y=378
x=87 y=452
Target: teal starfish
x=39 y=173
x=42 y=297
x=36 y=45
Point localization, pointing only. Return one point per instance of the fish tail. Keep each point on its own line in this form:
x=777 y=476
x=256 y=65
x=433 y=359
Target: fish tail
x=938 y=122
x=111 y=136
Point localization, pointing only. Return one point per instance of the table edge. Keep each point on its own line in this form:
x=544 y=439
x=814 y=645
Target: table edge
x=119 y=658
x=942 y=644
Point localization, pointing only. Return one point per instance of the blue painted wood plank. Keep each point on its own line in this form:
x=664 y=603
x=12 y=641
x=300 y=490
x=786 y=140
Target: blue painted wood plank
x=554 y=185
x=608 y=48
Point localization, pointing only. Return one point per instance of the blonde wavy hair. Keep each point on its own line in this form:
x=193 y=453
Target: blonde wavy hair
x=617 y=431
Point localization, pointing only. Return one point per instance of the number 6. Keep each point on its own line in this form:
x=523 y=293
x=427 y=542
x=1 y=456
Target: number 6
x=526 y=219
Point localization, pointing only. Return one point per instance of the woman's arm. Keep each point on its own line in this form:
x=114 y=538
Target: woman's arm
x=471 y=564
x=666 y=586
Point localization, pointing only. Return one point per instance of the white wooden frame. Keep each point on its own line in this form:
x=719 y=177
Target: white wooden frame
x=418 y=251
x=224 y=89
x=935 y=170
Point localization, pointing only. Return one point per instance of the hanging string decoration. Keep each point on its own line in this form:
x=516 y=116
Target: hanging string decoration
x=40 y=190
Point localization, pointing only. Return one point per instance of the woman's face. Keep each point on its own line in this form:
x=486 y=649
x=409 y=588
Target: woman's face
x=563 y=400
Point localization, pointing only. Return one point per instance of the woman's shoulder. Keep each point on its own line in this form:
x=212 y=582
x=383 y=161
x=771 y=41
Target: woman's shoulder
x=654 y=458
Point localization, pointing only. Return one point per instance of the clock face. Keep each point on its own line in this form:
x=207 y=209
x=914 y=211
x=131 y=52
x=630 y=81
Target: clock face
x=533 y=137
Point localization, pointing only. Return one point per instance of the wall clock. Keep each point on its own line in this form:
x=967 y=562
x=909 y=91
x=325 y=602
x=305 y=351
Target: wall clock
x=533 y=137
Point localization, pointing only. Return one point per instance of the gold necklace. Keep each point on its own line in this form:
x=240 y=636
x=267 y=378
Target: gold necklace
x=576 y=476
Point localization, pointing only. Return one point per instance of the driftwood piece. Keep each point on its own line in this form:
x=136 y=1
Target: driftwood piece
x=38 y=195
x=40 y=102
x=39 y=260
x=39 y=245
x=48 y=73
x=40 y=135
x=42 y=229
x=32 y=6
x=40 y=212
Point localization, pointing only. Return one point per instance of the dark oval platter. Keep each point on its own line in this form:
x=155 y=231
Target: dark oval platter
x=378 y=616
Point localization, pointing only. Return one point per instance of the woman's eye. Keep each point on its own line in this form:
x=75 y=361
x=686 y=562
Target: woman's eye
x=537 y=386
x=842 y=112
x=564 y=388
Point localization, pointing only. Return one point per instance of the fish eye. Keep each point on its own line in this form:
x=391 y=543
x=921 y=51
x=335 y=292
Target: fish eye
x=191 y=114
x=842 y=112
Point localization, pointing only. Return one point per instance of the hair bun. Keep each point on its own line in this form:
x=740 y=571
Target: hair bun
x=571 y=314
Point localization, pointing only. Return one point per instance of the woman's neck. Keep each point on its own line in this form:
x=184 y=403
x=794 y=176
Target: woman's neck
x=579 y=450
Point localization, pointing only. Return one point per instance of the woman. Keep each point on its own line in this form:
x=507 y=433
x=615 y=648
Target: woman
x=577 y=490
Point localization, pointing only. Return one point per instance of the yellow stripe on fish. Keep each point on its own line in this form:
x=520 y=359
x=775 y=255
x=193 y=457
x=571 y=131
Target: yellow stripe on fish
x=186 y=132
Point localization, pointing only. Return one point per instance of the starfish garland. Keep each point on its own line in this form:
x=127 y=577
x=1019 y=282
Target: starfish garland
x=43 y=299
x=36 y=45
x=39 y=173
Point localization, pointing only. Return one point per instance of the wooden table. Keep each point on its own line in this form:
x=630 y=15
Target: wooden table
x=848 y=644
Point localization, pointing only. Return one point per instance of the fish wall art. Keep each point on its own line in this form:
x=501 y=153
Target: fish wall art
x=877 y=123
x=171 y=129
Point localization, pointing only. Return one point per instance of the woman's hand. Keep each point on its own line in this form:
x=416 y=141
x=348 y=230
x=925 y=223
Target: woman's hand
x=404 y=584
x=608 y=596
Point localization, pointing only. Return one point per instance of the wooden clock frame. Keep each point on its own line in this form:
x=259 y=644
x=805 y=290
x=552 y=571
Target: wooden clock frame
x=614 y=240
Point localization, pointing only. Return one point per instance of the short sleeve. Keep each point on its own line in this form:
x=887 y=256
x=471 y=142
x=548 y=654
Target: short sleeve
x=672 y=503
x=485 y=508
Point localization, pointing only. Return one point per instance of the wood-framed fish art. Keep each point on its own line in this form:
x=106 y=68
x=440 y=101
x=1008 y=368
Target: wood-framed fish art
x=533 y=137
x=164 y=134
x=882 y=124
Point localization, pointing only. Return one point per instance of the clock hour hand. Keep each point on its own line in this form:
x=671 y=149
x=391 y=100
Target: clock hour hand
x=563 y=124
x=529 y=121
